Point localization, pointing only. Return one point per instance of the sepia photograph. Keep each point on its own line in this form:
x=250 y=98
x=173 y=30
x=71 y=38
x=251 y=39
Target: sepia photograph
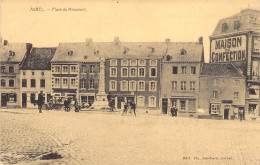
x=137 y=82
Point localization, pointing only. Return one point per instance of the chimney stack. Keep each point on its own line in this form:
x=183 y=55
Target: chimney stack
x=89 y=41
x=116 y=41
x=5 y=42
x=201 y=41
x=167 y=41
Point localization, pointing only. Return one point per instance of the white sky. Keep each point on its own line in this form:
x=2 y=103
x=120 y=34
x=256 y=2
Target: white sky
x=147 y=20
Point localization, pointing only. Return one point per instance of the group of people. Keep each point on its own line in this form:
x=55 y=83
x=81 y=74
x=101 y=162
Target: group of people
x=129 y=106
x=174 y=111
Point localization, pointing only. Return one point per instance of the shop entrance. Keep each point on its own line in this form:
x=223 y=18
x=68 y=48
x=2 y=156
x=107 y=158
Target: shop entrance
x=24 y=100
x=120 y=102
x=4 y=100
x=164 y=105
x=252 y=109
x=226 y=112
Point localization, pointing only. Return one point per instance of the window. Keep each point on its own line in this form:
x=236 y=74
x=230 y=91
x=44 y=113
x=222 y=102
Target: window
x=65 y=82
x=33 y=83
x=124 y=72
x=183 y=85
x=70 y=53
x=133 y=62
x=174 y=70
x=124 y=86
x=141 y=86
x=192 y=70
x=32 y=72
x=73 y=82
x=42 y=73
x=168 y=58
x=24 y=73
x=183 y=70
x=113 y=72
x=82 y=83
x=153 y=62
x=215 y=109
x=152 y=86
x=153 y=72
x=12 y=97
x=91 y=68
x=132 y=86
x=113 y=85
x=24 y=83
x=141 y=62
x=32 y=98
x=11 y=69
x=83 y=69
x=174 y=85
x=11 y=53
x=237 y=25
x=183 y=105
x=182 y=52
x=236 y=95
x=192 y=85
x=42 y=83
x=141 y=72
x=91 y=84
x=57 y=69
x=3 y=84
x=140 y=101
x=65 y=69
x=132 y=72
x=215 y=94
x=3 y=69
x=224 y=27
x=11 y=83
x=57 y=82
x=152 y=101
x=124 y=62
x=113 y=62
x=73 y=68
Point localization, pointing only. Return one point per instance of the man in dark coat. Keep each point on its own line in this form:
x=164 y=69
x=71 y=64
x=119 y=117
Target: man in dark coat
x=133 y=107
x=40 y=101
x=172 y=111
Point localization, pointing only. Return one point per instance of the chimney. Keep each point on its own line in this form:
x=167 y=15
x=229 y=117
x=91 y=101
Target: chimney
x=167 y=41
x=201 y=41
x=89 y=41
x=5 y=42
x=28 y=47
x=116 y=41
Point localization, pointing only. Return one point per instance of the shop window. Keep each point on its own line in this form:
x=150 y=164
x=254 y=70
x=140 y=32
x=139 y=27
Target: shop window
x=215 y=109
x=183 y=105
x=174 y=70
x=12 y=97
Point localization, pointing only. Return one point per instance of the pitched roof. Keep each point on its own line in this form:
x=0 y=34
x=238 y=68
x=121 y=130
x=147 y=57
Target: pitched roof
x=193 y=52
x=39 y=59
x=221 y=69
x=249 y=20
x=19 y=50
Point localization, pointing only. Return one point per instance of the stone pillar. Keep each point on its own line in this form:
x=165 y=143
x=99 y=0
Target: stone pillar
x=101 y=97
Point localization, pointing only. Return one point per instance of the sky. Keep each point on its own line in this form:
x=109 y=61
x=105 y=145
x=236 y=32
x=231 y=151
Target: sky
x=132 y=20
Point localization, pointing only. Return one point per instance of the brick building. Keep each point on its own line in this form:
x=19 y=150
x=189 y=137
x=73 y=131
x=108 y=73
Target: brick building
x=35 y=76
x=180 y=76
x=222 y=91
x=11 y=58
x=236 y=40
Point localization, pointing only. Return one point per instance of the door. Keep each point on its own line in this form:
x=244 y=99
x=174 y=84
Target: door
x=119 y=103
x=4 y=100
x=226 y=114
x=24 y=100
x=164 y=105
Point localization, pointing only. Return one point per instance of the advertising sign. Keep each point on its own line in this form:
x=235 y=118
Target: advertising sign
x=228 y=49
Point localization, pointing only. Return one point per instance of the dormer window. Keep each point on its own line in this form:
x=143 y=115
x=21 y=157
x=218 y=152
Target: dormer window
x=236 y=25
x=70 y=53
x=85 y=57
x=183 y=52
x=11 y=53
x=96 y=52
x=168 y=58
x=224 y=27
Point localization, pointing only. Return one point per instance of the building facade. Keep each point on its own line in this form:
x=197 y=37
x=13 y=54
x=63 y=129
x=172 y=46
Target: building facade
x=236 y=40
x=11 y=58
x=180 y=77
x=222 y=91
x=35 y=76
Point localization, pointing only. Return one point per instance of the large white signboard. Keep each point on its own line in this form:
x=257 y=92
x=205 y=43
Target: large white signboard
x=228 y=49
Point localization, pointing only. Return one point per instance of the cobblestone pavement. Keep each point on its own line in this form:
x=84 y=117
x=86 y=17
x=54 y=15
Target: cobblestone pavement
x=109 y=138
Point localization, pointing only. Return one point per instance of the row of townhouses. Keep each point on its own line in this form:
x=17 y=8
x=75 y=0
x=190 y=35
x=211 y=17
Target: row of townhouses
x=156 y=75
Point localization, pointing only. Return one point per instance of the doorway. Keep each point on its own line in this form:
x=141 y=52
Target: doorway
x=164 y=105
x=226 y=112
x=119 y=102
x=4 y=100
x=24 y=100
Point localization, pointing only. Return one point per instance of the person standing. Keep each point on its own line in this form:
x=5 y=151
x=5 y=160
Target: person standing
x=125 y=108
x=241 y=114
x=175 y=111
x=76 y=104
x=134 y=107
x=40 y=101
x=172 y=111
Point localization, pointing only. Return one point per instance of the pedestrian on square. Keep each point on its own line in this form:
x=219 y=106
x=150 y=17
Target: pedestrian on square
x=172 y=111
x=76 y=104
x=125 y=108
x=40 y=101
x=133 y=107
x=175 y=111
x=241 y=114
